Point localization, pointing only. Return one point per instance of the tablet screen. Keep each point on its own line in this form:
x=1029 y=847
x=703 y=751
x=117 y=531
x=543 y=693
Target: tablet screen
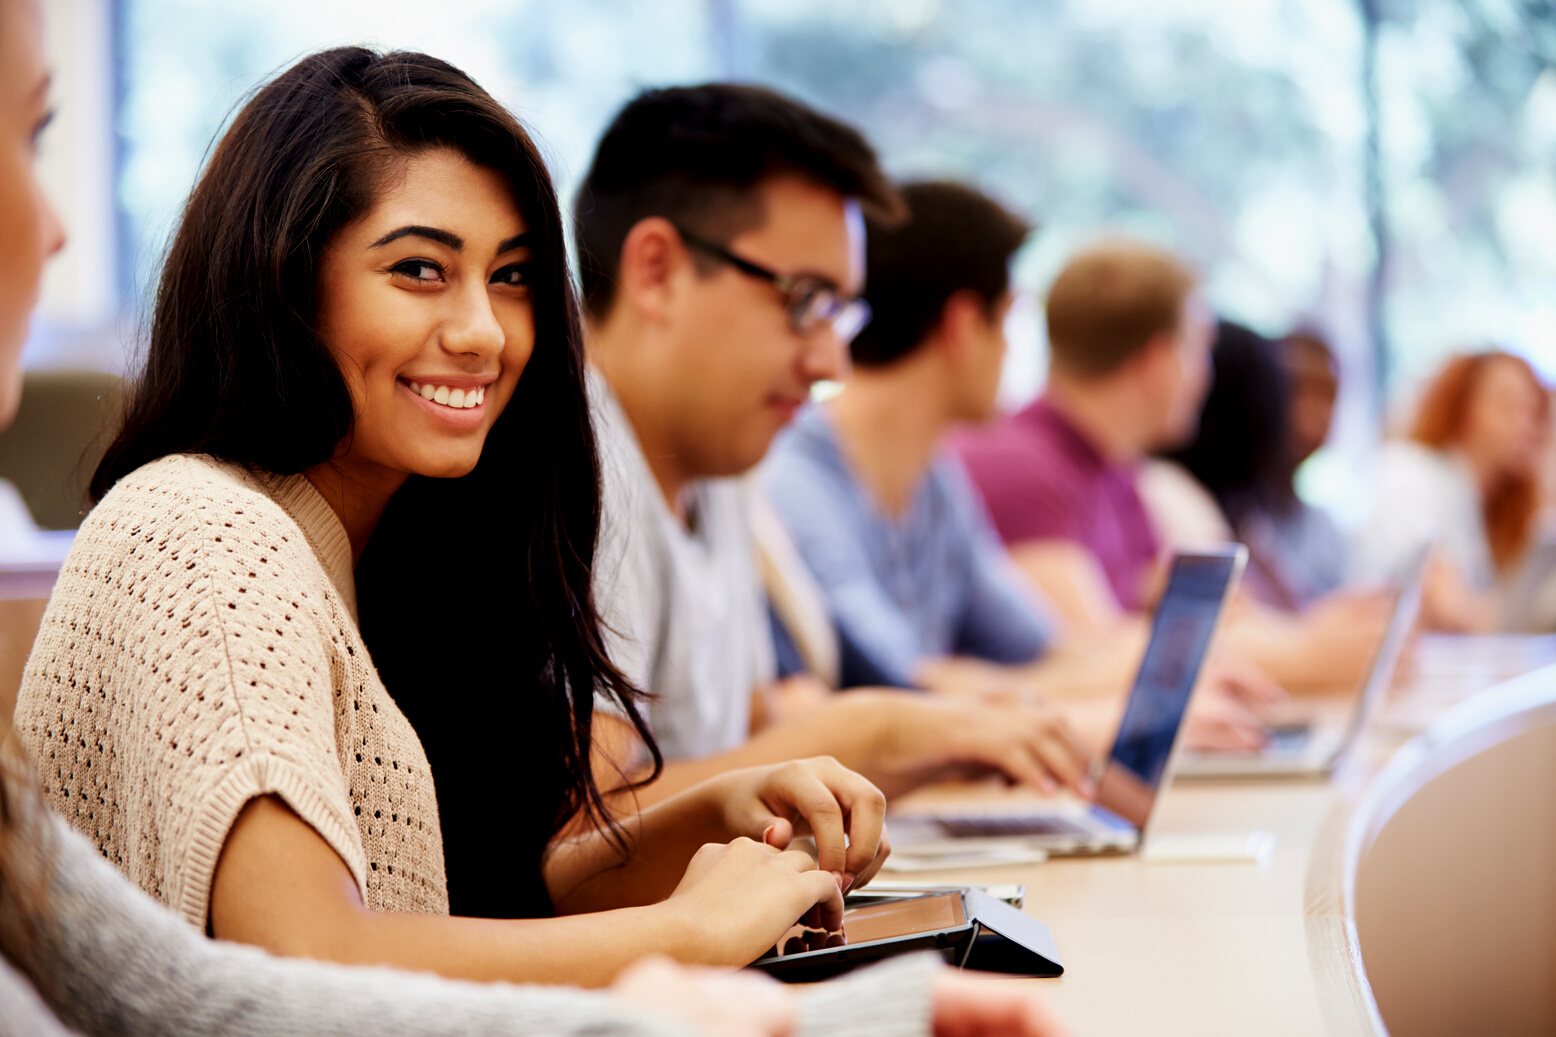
x=883 y=921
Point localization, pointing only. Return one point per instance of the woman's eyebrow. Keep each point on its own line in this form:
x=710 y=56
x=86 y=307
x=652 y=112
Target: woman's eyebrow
x=517 y=241
x=442 y=237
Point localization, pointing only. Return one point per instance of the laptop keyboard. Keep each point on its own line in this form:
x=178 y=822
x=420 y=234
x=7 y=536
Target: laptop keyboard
x=1015 y=824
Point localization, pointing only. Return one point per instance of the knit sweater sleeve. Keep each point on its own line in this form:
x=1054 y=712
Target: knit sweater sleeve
x=188 y=662
x=112 y=961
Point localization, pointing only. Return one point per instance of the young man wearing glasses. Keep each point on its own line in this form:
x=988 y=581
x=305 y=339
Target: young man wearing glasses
x=722 y=252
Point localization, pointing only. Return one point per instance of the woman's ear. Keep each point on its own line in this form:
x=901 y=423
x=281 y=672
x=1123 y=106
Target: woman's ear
x=650 y=255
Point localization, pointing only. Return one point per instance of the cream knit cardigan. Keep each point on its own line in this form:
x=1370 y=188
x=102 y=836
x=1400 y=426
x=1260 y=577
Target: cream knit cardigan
x=201 y=649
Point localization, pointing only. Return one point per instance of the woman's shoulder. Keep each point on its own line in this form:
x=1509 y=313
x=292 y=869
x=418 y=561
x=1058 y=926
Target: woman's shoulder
x=1181 y=508
x=187 y=507
x=1411 y=468
x=183 y=478
x=182 y=492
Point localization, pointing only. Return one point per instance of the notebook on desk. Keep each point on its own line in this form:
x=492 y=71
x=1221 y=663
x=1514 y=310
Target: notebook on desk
x=1141 y=762
x=1312 y=748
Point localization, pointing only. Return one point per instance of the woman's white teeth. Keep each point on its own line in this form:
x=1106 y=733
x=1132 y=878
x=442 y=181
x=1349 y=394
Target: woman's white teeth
x=461 y=399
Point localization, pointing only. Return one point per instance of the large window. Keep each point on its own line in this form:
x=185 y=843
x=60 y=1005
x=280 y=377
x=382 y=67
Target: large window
x=1276 y=142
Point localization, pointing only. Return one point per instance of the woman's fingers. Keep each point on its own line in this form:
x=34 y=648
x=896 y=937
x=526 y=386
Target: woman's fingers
x=826 y=910
x=817 y=804
x=845 y=813
x=882 y=851
x=865 y=809
x=779 y=834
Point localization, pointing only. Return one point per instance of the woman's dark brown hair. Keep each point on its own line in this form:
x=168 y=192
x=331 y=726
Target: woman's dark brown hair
x=1509 y=508
x=500 y=684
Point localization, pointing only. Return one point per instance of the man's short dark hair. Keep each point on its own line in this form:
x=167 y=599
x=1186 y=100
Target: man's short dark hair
x=696 y=156
x=954 y=239
x=1109 y=301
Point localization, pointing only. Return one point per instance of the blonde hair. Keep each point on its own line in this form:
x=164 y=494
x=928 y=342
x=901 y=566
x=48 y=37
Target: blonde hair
x=1112 y=299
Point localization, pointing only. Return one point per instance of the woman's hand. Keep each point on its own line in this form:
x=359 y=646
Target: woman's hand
x=818 y=797
x=738 y=899
x=923 y=739
x=712 y=1001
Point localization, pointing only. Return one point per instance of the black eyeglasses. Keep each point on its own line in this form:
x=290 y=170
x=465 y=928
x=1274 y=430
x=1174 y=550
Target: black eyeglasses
x=810 y=302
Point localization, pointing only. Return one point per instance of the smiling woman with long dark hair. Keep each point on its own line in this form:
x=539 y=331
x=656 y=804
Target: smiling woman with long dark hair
x=364 y=393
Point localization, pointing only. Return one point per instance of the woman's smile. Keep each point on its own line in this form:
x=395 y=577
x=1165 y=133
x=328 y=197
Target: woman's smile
x=459 y=402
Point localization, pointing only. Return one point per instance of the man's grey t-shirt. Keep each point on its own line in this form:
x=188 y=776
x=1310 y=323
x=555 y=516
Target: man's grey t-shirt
x=682 y=603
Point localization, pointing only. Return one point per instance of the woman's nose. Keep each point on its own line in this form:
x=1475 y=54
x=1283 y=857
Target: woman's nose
x=474 y=328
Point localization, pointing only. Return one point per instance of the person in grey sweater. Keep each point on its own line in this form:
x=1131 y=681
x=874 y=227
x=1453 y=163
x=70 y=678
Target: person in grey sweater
x=89 y=953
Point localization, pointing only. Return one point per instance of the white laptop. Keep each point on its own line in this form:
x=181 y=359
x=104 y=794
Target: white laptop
x=1312 y=748
x=1140 y=764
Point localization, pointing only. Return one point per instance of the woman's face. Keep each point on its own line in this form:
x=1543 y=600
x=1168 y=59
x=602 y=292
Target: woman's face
x=28 y=227
x=425 y=303
x=1504 y=424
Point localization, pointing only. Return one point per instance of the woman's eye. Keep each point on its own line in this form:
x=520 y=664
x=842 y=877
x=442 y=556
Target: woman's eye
x=419 y=270
x=513 y=275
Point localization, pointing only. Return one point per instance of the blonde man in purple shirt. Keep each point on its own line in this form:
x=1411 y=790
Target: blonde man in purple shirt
x=1129 y=340
x=1129 y=366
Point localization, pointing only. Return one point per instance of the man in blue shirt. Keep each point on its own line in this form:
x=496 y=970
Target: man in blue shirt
x=916 y=582
x=884 y=518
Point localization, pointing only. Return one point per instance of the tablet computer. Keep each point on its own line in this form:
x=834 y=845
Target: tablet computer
x=967 y=927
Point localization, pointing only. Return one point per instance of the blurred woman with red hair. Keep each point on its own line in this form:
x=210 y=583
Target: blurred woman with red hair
x=1466 y=482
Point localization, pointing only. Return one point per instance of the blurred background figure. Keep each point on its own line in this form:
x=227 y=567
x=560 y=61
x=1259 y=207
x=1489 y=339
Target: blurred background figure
x=1465 y=481
x=1314 y=372
x=885 y=520
x=1269 y=409
x=1129 y=365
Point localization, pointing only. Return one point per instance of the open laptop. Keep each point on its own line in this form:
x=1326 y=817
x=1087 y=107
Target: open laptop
x=1309 y=748
x=1141 y=761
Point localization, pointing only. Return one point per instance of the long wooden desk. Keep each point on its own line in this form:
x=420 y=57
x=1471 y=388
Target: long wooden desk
x=1240 y=948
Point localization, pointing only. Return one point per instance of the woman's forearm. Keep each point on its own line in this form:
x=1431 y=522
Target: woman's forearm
x=586 y=950
x=588 y=872
x=109 y=960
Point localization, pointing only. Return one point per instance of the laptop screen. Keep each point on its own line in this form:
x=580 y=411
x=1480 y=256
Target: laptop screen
x=1180 y=635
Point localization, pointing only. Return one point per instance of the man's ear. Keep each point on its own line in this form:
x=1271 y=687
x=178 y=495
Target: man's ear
x=1159 y=353
x=963 y=320
x=650 y=255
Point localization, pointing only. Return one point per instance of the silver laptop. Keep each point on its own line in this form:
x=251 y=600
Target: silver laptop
x=1313 y=748
x=1141 y=762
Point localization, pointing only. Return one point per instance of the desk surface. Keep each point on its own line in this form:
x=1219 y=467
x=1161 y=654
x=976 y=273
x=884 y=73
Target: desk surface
x=1201 y=948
